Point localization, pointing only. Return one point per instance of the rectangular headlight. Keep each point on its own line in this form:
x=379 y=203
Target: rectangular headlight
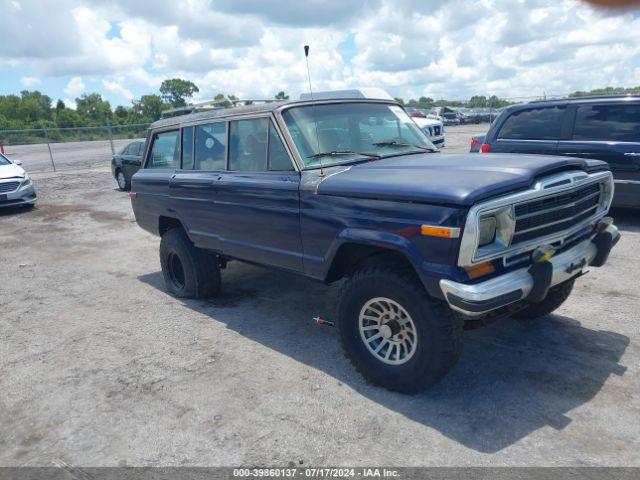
x=486 y=230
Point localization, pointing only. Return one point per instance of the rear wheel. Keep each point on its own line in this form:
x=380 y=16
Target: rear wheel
x=121 y=180
x=189 y=272
x=393 y=333
x=555 y=297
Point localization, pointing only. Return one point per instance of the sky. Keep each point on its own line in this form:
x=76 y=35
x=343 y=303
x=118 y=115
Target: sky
x=254 y=48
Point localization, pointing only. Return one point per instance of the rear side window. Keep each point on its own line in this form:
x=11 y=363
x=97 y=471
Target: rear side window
x=210 y=146
x=534 y=124
x=618 y=123
x=165 y=152
x=187 y=148
x=279 y=159
x=248 y=148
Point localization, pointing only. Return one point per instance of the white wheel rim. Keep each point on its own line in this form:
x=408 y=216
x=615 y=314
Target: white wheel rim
x=388 y=331
x=121 y=180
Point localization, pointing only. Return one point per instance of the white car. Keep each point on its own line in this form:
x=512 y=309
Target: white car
x=16 y=187
x=434 y=129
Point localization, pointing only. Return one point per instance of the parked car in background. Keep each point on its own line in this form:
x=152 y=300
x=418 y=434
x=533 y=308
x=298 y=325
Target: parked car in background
x=476 y=143
x=16 y=187
x=434 y=129
x=126 y=163
x=350 y=189
x=603 y=128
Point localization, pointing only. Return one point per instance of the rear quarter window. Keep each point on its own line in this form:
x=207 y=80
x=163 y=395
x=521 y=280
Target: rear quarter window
x=165 y=151
x=534 y=124
x=618 y=123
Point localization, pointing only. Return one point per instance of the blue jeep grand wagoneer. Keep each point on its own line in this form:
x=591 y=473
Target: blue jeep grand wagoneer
x=351 y=189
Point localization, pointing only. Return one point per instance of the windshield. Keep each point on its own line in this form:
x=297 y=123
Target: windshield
x=328 y=134
x=4 y=160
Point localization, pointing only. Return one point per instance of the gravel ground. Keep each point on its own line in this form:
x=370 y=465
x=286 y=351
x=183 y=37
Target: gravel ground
x=100 y=367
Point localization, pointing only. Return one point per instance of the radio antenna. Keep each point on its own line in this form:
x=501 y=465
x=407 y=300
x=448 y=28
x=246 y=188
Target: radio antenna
x=313 y=103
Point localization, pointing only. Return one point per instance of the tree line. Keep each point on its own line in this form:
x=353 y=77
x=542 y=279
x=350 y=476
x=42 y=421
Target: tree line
x=35 y=110
x=476 y=101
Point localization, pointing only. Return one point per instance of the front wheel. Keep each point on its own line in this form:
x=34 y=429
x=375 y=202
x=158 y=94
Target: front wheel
x=393 y=333
x=188 y=271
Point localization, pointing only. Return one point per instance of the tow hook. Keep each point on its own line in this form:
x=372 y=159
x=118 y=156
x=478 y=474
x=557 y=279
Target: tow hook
x=576 y=266
x=321 y=321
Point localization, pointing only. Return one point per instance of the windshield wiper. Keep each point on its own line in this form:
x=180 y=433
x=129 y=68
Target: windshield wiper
x=395 y=143
x=336 y=153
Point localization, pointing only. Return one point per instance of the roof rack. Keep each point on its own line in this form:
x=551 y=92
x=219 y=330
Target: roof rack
x=226 y=102
x=585 y=97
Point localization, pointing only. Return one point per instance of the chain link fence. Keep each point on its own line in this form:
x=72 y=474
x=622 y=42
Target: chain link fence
x=59 y=149
x=54 y=149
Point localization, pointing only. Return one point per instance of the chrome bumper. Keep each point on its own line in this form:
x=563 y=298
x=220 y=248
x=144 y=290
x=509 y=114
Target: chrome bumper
x=480 y=298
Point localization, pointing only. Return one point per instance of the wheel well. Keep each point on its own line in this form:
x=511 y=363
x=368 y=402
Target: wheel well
x=353 y=255
x=167 y=223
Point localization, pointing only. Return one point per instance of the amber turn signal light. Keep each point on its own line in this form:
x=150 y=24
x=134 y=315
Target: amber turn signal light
x=479 y=270
x=442 y=232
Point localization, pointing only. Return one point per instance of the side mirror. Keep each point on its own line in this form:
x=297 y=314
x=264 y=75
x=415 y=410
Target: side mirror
x=17 y=162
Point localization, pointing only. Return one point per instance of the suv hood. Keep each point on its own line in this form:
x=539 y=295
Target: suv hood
x=10 y=171
x=452 y=179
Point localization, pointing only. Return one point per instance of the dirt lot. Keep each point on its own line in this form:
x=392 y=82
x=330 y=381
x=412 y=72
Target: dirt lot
x=99 y=366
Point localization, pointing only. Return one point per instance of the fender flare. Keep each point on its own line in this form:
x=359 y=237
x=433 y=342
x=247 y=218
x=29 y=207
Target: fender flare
x=374 y=238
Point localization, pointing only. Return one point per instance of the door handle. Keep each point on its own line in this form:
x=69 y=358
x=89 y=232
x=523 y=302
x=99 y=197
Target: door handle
x=632 y=154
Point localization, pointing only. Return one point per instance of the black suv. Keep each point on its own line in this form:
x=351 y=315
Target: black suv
x=604 y=128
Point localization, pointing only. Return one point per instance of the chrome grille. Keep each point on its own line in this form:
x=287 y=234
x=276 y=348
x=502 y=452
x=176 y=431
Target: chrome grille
x=553 y=211
x=8 y=187
x=556 y=213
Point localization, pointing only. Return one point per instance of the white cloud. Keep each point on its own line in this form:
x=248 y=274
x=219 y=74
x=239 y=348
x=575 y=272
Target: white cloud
x=118 y=89
x=75 y=87
x=30 y=81
x=69 y=103
x=253 y=48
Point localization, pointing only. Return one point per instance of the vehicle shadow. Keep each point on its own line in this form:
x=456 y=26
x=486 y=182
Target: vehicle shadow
x=9 y=211
x=513 y=378
x=626 y=219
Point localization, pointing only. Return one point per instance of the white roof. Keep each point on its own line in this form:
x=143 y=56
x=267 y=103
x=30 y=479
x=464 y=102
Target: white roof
x=372 y=93
x=424 y=122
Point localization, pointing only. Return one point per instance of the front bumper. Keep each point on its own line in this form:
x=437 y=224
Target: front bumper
x=437 y=141
x=24 y=195
x=523 y=284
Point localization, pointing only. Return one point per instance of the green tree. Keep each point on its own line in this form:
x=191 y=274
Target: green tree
x=477 y=101
x=495 y=102
x=121 y=114
x=60 y=106
x=281 y=96
x=9 y=106
x=148 y=108
x=34 y=106
x=176 y=91
x=93 y=108
x=399 y=100
x=68 y=118
x=425 y=102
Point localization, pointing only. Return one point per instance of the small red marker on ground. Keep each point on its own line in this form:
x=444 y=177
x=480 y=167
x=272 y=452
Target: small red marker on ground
x=322 y=321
